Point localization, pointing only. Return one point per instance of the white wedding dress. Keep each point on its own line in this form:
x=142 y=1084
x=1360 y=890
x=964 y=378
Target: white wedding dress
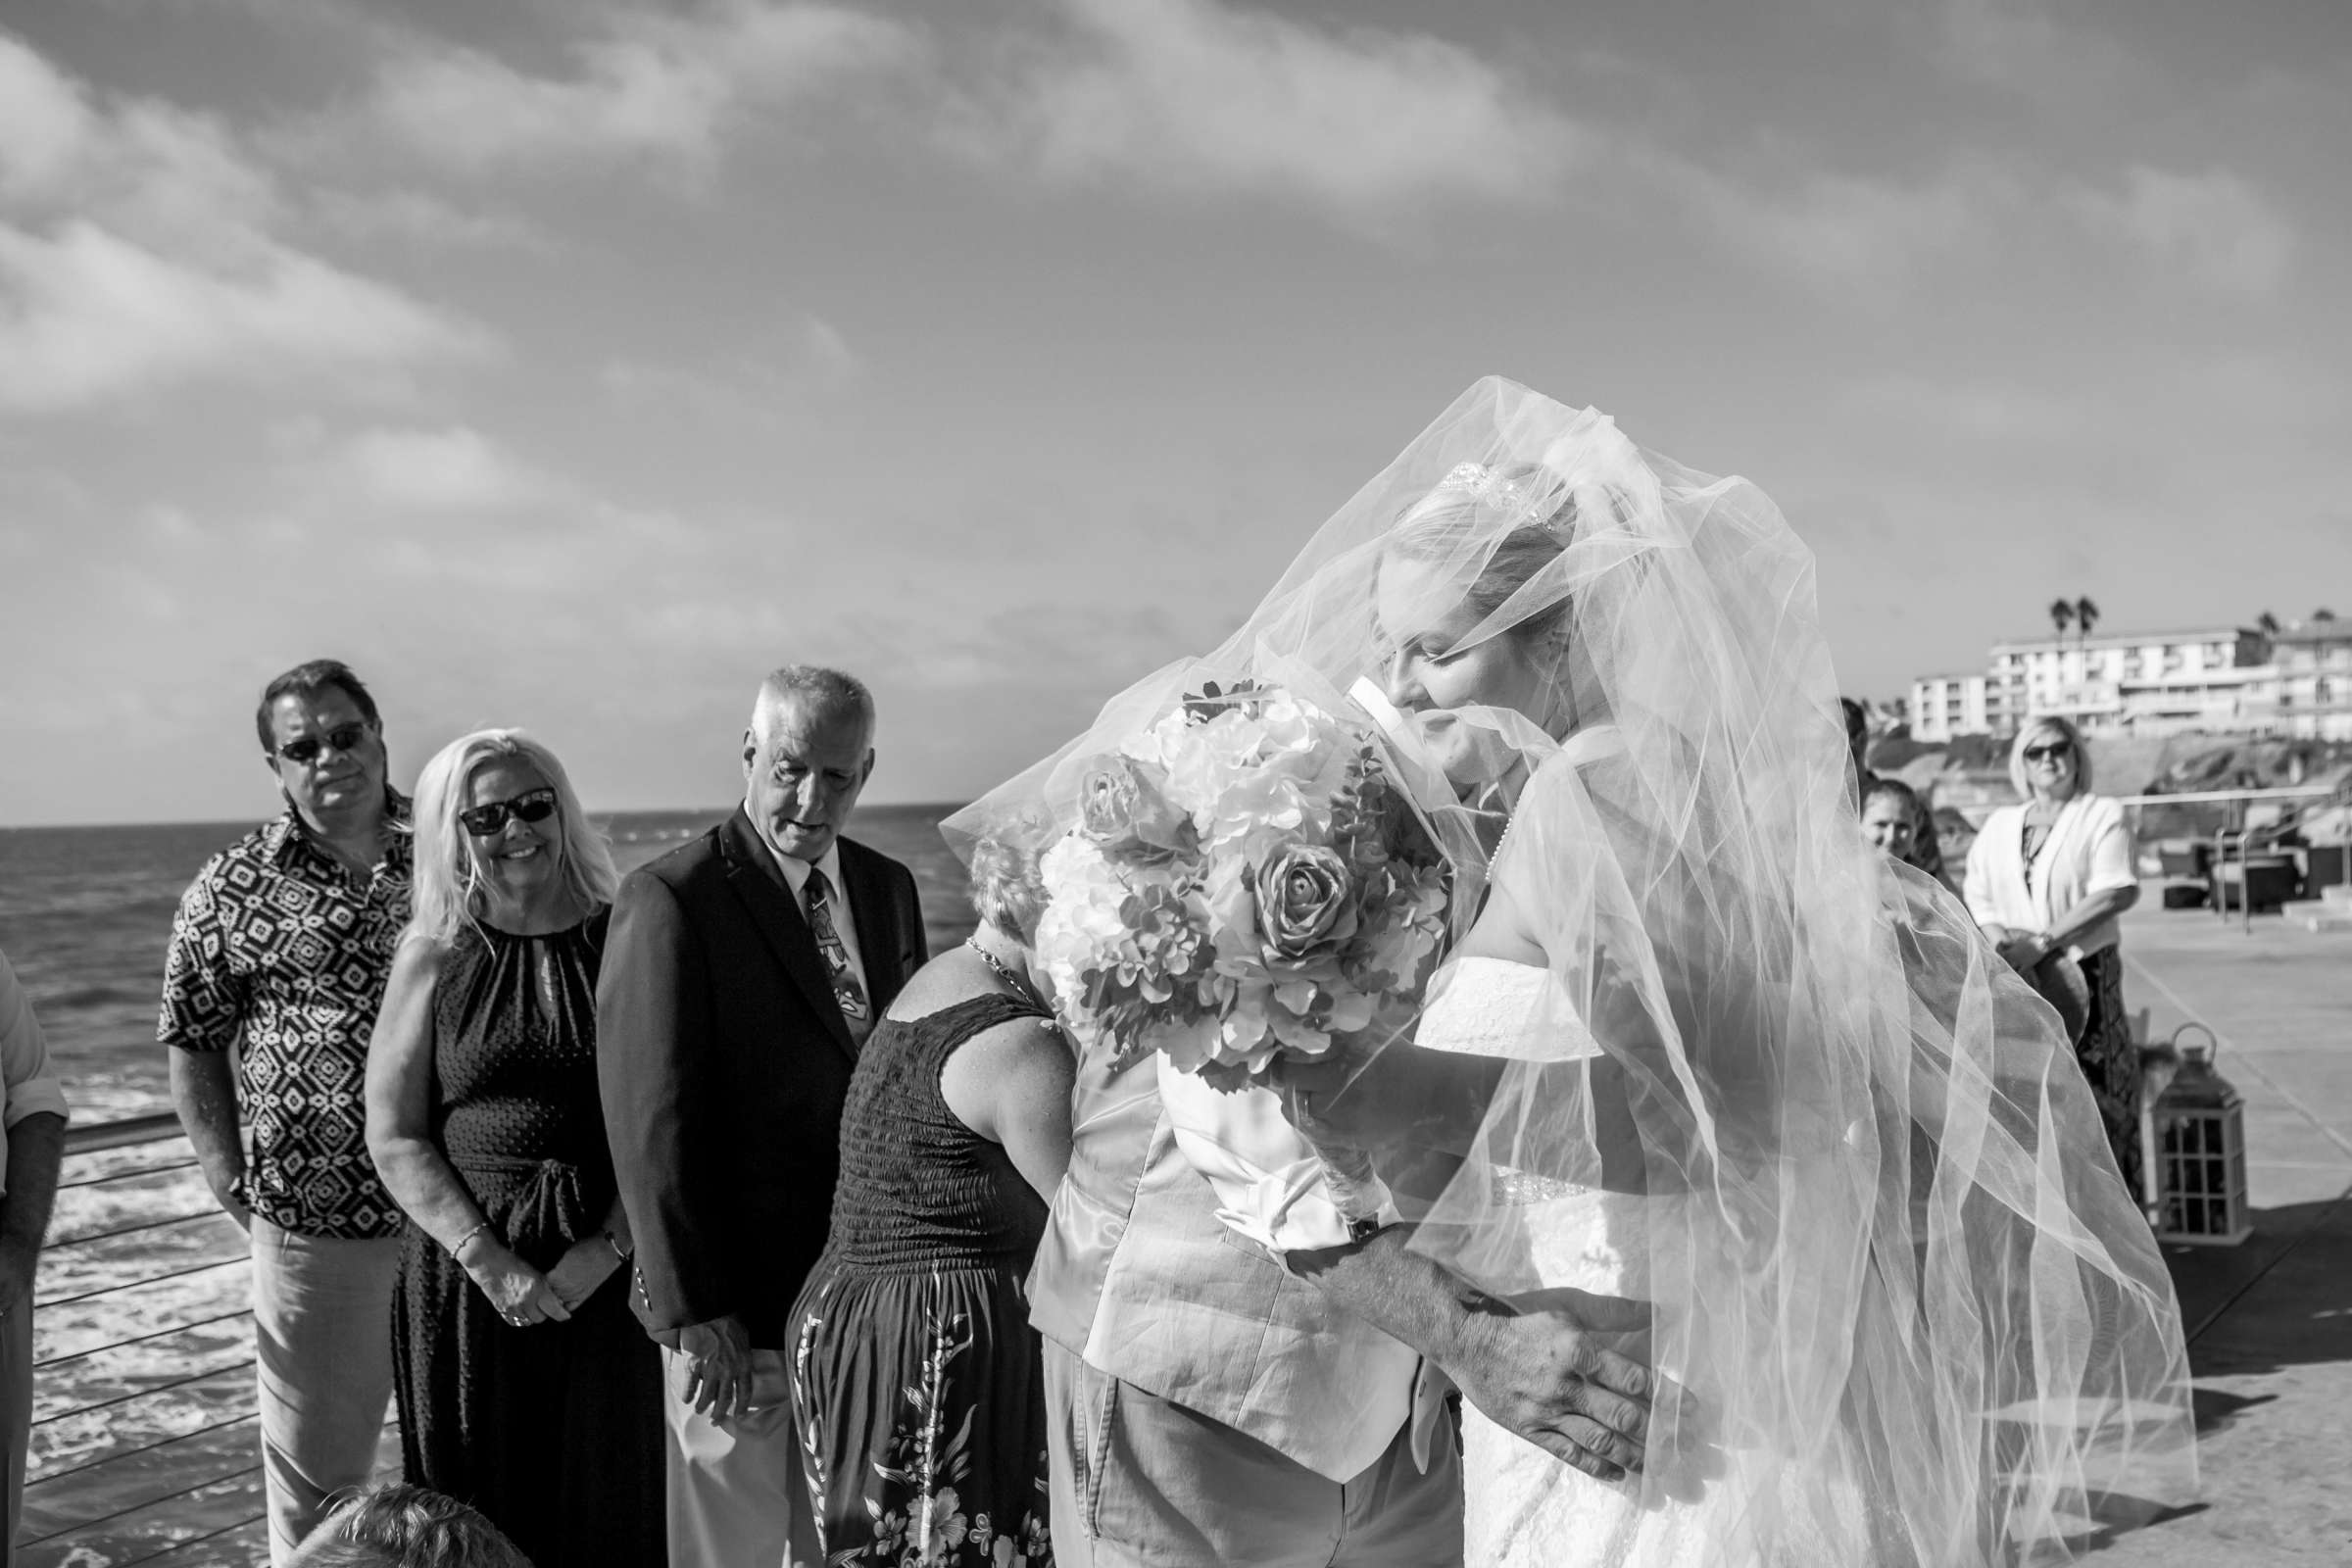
x=1523 y=1508
x=1522 y=1505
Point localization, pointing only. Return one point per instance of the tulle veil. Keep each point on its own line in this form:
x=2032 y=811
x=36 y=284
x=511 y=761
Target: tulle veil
x=1886 y=1246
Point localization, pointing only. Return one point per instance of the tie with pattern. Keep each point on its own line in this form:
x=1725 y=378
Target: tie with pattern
x=847 y=992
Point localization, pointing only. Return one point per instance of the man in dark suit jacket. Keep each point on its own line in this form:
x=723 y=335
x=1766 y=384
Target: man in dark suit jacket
x=743 y=971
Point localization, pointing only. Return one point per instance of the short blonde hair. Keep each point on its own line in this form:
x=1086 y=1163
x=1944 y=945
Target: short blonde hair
x=445 y=889
x=2047 y=724
x=1009 y=891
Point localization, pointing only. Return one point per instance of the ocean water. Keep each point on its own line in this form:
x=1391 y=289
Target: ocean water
x=85 y=916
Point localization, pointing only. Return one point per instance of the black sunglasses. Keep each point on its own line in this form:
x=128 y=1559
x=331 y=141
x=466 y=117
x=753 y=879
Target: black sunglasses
x=304 y=751
x=531 y=806
x=2055 y=750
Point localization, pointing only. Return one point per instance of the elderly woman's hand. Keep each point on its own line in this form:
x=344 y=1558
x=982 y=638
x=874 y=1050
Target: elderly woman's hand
x=2022 y=951
x=517 y=1291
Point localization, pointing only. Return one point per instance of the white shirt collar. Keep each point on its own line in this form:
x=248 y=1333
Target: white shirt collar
x=796 y=872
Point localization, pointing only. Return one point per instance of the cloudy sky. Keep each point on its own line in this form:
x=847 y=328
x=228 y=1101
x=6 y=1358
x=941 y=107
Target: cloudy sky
x=569 y=364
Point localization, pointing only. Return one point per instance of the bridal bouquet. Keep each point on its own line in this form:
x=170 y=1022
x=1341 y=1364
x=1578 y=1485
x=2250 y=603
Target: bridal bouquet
x=1245 y=880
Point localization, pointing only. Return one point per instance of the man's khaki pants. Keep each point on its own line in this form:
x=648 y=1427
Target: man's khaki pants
x=733 y=1489
x=323 y=1344
x=1141 y=1483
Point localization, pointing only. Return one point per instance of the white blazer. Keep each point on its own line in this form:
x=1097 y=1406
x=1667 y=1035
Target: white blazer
x=2089 y=851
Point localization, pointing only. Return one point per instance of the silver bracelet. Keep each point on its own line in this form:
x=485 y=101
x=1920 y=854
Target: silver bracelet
x=459 y=1246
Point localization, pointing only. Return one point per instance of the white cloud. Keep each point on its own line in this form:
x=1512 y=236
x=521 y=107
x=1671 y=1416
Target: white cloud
x=170 y=523
x=1188 y=96
x=1198 y=96
x=768 y=379
x=2024 y=47
x=470 y=110
x=662 y=87
x=2216 y=226
x=418 y=217
x=1838 y=231
x=454 y=468
x=44 y=120
x=1871 y=234
x=138 y=249
x=87 y=315
x=824 y=353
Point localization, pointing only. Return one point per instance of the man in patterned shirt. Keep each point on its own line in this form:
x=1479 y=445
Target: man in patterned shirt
x=280 y=949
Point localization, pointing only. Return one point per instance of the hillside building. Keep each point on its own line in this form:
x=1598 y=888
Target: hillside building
x=1945 y=705
x=2314 y=696
x=2153 y=683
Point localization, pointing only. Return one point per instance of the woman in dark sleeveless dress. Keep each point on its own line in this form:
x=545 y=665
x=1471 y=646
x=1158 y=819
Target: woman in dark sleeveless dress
x=917 y=1383
x=525 y=1386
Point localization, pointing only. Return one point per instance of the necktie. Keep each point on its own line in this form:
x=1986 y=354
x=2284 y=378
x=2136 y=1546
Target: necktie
x=848 y=994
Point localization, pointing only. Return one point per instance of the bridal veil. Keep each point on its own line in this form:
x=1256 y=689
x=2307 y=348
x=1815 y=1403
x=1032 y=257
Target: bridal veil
x=1886 y=1245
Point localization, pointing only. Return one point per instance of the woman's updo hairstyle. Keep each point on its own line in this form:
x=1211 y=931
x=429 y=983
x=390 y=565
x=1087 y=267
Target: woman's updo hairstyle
x=1447 y=525
x=1008 y=891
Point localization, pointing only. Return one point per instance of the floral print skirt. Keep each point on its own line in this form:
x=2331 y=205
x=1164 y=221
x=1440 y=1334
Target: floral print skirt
x=920 y=1404
x=2111 y=1061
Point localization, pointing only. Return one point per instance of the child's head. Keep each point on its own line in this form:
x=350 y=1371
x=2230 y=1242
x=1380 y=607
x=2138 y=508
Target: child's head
x=392 y=1526
x=1891 y=817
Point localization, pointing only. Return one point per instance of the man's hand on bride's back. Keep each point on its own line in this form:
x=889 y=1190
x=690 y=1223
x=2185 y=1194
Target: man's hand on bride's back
x=1552 y=1366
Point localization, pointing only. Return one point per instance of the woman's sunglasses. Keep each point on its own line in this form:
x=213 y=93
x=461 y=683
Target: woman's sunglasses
x=2055 y=752
x=532 y=806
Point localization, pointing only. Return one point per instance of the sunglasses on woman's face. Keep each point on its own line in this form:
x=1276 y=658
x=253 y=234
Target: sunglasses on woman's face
x=532 y=806
x=2055 y=752
x=344 y=738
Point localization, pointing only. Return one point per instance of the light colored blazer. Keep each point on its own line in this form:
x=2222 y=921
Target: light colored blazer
x=1138 y=1277
x=2089 y=851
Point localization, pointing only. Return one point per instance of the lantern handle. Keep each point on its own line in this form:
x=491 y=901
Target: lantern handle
x=2212 y=1042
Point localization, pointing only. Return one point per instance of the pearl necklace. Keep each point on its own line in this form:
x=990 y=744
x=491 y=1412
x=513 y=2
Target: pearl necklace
x=1509 y=822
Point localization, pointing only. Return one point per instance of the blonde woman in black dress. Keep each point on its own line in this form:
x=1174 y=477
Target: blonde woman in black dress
x=525 y=1386
x=917 y=1382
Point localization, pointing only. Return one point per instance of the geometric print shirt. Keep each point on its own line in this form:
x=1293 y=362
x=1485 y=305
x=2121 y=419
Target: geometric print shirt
x=278 y=951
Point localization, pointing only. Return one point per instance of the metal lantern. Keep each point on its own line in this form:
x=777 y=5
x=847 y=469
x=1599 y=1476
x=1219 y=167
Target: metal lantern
x=2199 y=1128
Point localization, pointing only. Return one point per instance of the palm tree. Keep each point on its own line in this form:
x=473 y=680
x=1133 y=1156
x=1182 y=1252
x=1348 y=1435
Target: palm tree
x=2062 y=616
x=2086 y=615
x=2267 y=623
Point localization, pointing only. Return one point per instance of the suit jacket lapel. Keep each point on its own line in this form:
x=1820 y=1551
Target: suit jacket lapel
x=753 y=875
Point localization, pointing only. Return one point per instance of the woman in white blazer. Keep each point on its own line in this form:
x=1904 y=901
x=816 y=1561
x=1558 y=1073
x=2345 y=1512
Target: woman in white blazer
x=2051 y=875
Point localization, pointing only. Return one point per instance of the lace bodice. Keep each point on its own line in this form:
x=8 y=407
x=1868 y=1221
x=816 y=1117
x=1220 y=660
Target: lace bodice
x=1496 y=1008
x=1568 y=1234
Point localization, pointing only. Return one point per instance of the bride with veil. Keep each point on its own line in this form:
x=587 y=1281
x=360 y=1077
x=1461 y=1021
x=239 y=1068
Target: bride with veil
x=1701 y=1047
